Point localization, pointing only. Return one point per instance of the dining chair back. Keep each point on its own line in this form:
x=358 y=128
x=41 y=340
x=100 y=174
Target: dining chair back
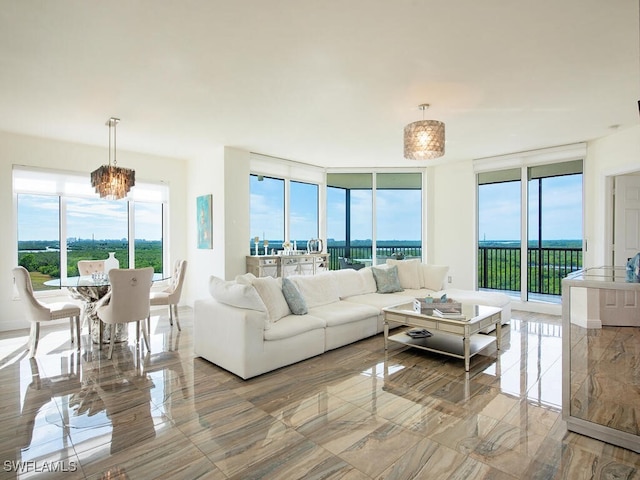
x=128 y=301
x=37 y=312
x=87 y=267
x=171 y=295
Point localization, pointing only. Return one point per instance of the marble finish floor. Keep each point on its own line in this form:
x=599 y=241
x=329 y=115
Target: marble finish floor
x=352 y=413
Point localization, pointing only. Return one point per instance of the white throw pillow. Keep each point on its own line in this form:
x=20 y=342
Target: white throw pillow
x=317 y=290
x=246 y=278
x=235 y=294
x=433 y=276
x=369 y=282
x=270 y=291
x=408 y=272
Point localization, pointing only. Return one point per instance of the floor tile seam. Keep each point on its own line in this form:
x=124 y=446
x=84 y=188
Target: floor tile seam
x=276 y=454
x=444 y=446
x=204 y=455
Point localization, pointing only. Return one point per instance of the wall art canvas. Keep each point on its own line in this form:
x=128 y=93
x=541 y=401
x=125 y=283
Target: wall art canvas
x=205 y=221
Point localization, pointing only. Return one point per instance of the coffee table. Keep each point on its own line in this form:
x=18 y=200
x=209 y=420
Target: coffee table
x=453 y=337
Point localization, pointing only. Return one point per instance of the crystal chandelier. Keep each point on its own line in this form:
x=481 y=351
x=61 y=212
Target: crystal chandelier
x=424 y=140
x=111 y=181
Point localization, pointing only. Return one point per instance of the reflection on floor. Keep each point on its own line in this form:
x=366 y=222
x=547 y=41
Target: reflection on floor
x=352 y=413
x=605 y=376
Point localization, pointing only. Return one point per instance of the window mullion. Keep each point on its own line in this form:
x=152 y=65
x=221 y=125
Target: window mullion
x=524 y=234
x=63 y=236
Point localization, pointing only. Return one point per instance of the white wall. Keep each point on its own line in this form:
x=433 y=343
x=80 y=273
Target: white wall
x=223 y=173
x=44 y=153
x=615 y=154
x=451 y=221
x=236 y=207
x=205 y=177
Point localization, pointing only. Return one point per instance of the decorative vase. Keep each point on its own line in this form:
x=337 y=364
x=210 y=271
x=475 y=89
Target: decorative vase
x=111 y=262
x=314 y=245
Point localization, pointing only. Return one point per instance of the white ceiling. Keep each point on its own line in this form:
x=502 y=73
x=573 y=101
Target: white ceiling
x=329 y=82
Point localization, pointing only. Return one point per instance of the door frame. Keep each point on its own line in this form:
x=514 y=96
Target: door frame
x=609 y=209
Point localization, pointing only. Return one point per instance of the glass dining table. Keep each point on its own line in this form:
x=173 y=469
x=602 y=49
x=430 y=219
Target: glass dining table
x=90 y=289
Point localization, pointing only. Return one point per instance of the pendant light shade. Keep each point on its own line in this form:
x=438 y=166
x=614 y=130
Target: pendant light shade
x=110 y=181
x=424 y=139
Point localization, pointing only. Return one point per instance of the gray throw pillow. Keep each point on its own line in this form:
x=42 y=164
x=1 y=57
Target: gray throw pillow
x=294 y=299
x=387 y=280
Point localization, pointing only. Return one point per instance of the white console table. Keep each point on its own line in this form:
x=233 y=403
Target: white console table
x=597 y=355
x=284 y=265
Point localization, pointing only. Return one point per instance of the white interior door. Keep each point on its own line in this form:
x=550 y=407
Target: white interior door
x=626 y=207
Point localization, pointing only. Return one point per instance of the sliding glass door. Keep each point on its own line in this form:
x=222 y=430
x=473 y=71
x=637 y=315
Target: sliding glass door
x=551 y=222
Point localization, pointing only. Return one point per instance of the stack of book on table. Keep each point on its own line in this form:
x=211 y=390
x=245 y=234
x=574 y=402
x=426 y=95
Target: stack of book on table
x=418 y=333
x=446 y=311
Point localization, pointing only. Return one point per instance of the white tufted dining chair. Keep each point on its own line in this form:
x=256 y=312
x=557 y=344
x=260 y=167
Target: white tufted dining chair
x=38 y=312
x=87 y=267
x=128 y=301
x=171 y=295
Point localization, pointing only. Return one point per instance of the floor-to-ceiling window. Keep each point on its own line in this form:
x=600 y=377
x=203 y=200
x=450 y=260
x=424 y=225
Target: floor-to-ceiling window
x=374 y=216
x=555 y=226
x=398 y=216
x=148 y=235
x=499 y=230
x=350 y=217
x=60 y=220
x=282 y=210
x=266 y=217
x=38 y=226
x=303 y=213
x=551 y=223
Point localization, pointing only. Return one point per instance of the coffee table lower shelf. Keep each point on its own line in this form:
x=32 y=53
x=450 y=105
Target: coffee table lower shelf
x=445 y=344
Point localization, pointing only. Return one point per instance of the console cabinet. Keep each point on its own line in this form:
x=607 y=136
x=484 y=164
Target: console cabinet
x=284 y=265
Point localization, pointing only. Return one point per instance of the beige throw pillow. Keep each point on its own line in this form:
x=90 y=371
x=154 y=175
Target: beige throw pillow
x=433 y=276
x=408 y=272
x=270 y=291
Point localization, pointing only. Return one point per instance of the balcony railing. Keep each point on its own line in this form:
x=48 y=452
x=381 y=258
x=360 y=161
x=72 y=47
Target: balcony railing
x=499 y=268
x=365 y=252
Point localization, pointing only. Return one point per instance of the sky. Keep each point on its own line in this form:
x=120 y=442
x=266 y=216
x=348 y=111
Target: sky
x=499 y=206
x=499 y=217
x=38 y=218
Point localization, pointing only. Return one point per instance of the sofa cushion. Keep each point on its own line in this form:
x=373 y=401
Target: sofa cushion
x=235 y=294
x=292 y=325
x=270 y=291
x=408 y=272
x=380 y=301
x=342 y=312
x=294 y=298
x=351 y=282
x=369 y=283
x=433 y=276
x=317 y=290
x=387 y=280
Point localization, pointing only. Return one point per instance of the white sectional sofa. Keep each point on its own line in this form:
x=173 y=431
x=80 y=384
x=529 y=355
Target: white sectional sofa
x=248 y=328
